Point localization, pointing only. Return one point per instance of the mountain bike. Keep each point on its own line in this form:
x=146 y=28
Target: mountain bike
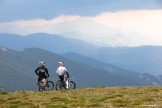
x=47 y=87
x=65 y=85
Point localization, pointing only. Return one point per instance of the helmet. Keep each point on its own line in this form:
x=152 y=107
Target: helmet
x=61 y=63
x=42 y=63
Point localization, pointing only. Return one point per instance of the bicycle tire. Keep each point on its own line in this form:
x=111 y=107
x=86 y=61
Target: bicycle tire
x=49 y=86
x=72 y=85
x=60 y=85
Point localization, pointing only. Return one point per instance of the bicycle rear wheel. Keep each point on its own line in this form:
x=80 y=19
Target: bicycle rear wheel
x=60 y=85
x=71 y=85
x=49 y=86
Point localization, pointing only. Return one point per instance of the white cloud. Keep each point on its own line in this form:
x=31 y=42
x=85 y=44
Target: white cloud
x=144 y=22
x=128 y=28
x=24 y=27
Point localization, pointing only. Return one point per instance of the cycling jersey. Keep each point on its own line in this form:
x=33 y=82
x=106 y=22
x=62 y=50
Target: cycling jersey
x=42 y=71
x=61 y=70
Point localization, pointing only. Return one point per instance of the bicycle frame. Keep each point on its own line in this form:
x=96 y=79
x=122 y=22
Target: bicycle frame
x=67 y=83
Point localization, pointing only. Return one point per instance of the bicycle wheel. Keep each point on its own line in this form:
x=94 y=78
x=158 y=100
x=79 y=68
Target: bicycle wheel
x=60 y=85
x=71 y=85
x=49 y=86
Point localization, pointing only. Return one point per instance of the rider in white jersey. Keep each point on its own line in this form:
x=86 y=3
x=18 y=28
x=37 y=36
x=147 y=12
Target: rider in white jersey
x=61 y=71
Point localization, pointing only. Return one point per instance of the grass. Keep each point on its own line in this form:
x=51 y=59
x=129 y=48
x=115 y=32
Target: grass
x=97 y=97
x=3 y=93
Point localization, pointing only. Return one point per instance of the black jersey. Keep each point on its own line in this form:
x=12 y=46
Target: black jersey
x=42 y=72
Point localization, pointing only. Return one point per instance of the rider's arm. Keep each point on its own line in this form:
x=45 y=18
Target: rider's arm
x=67 y=73
x=36 y=71
x=47 y=72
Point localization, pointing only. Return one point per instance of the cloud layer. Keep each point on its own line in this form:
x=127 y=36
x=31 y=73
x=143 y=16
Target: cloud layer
x=123 y=28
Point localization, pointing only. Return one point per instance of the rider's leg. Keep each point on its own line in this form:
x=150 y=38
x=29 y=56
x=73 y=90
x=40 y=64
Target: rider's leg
x=61 y=78
x=38 y=86
x=45 y=82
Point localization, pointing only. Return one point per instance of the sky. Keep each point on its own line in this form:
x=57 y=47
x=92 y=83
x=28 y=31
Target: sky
x=100 y=22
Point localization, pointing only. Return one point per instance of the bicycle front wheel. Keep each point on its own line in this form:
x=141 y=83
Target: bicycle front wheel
x=49 y=86
x=71 y=85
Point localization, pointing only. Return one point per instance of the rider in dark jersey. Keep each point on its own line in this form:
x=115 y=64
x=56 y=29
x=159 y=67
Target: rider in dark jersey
x=42 y=72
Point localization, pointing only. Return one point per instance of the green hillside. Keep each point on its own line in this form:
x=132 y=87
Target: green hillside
x=17 y=71
x=99 y=97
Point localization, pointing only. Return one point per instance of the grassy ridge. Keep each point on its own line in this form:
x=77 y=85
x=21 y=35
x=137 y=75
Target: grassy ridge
x=98 y=97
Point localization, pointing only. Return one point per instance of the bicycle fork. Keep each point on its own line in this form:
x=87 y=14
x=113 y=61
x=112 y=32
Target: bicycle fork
x=67 y=84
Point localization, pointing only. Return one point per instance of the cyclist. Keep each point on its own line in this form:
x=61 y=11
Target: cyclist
x=42 y=72
x=61 y=71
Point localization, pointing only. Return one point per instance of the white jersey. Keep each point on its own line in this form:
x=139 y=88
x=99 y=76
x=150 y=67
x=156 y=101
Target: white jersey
x=61 y=70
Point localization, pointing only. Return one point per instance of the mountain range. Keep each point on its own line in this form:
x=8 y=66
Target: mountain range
x=17 y=70
x=54 y=43
x=140 y=59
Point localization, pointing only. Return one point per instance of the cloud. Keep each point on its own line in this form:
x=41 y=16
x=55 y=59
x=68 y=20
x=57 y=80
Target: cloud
x=123 y=28
x=24 y=27
x=42 y=22
x=140 y=26
x=144 y=22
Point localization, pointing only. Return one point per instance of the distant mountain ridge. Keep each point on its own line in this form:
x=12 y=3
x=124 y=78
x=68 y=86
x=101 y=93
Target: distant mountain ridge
x=114 y=69
x=17 y=71
x=141 y=59
x=50 y=42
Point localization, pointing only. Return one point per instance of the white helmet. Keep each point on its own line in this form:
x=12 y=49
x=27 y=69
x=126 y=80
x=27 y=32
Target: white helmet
x=61 y=63
x=42 y=63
